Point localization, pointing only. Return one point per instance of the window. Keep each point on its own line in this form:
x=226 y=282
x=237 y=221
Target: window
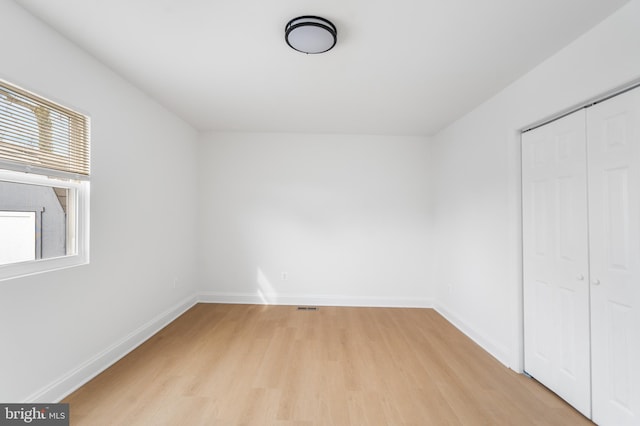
x=44 y=184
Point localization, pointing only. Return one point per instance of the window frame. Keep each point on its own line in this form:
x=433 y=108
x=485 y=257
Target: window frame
x=81 y=222
x=48 y=169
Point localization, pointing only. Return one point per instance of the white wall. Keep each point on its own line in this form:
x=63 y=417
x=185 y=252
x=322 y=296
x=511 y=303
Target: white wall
x=346 y=217
x=476 y=173
x=143 y=214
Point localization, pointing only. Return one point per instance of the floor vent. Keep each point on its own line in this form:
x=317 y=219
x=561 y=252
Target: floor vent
x=308 y=308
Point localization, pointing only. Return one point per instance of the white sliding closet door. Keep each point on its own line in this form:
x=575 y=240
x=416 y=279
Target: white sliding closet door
x=556 y=285
x=614 y=223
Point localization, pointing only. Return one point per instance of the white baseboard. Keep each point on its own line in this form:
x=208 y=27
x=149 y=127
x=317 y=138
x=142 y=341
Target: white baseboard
x=69 y=382
x=499 y=352
x=313 y=300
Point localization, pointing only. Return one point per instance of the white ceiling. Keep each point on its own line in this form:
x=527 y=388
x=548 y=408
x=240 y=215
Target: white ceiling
x=403 y=67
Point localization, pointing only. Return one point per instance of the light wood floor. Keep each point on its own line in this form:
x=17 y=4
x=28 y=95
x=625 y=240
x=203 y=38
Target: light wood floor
x=275 y=365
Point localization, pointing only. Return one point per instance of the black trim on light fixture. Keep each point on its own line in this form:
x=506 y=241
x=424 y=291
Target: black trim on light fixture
x=310 y=21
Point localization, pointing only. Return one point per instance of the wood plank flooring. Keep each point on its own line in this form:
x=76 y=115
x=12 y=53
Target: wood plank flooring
x=276 y=365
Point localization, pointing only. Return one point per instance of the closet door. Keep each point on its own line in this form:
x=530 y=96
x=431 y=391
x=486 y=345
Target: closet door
x=614 y=222
x=556 y=286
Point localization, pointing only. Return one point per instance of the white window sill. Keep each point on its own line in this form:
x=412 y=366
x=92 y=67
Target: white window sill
x=34 y=267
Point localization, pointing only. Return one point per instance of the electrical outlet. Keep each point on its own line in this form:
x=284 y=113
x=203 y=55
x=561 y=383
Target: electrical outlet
x=284 y=276
x=175 y=282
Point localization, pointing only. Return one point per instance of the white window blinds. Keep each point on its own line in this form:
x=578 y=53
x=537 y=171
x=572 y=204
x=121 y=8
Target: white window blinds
x=39 y=135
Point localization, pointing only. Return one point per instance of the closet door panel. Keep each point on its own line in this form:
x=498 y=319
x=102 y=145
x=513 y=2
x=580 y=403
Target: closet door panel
x=556 y=290
x=614 y=199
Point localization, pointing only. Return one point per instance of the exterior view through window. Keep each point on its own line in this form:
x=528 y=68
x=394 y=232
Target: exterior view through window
x=34 y=222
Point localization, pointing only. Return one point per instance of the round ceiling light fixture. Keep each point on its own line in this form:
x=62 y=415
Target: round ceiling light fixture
x=310 y=34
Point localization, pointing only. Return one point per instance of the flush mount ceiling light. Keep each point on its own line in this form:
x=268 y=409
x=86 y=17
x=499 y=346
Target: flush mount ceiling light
x=310 y=34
